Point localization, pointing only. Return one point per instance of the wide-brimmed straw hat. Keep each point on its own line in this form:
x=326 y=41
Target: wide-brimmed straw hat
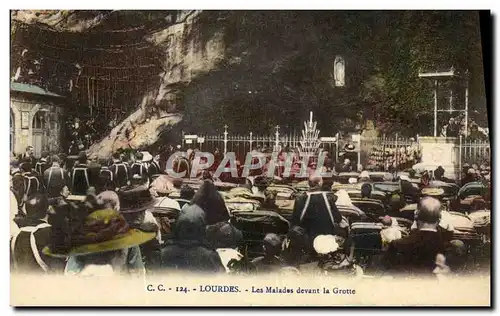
x=165 y=206
x=102 y=231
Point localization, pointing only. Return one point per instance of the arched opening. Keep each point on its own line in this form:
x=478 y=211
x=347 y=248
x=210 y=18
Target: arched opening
x=12 y=126
x=38 y=127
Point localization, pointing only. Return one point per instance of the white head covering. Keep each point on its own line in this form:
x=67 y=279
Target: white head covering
x=364 y=174
x=325 y=244
x=389 y=234
x=149 y=218
x=167 y=203
x=109 y=197
x=404 y=177
x=353 y=180
x=146 y=156
x=343 y=198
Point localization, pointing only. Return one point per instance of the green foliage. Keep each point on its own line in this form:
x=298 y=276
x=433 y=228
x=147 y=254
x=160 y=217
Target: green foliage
x=404 y=43
x=291 y=69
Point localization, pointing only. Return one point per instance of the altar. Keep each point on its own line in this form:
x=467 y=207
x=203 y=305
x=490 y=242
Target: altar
x=440 y=151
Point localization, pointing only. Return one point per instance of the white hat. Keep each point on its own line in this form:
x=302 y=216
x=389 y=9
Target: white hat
x=353 y=180
x=165 y=202
x=364 y=174
x=404 y=177
x=146 y=156
x=325 y=244
x=343 y=198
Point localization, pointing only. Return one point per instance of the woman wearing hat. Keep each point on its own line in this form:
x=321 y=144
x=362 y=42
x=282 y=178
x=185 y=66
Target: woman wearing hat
x=123 y=258
x=135 y=205
x=104 y=245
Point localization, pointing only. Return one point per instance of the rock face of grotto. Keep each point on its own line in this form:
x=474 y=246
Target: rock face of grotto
x=250 y=70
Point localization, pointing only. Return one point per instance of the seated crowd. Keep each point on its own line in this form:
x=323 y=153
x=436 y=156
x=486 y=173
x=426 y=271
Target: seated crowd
x=91 y=217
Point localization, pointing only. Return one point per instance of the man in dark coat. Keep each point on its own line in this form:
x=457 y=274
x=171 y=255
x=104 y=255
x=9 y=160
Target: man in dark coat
x=120 y=170
x=43 y=163
x=154 y=167
x=469 y=177
x=80 y=176
x=34 y=235
x=55 y=178
x=416 y=253
x=452 y=129
x=29 y=155
x=439 y=175
x=346 y=167
x=188 y=251
x=316 y=211
x=26 y=182
x=94 y=172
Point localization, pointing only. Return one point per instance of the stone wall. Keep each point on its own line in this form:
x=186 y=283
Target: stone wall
x=23 y=111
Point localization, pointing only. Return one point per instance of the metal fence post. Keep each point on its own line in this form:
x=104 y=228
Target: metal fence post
x=277 y=140
x=383 y=152
x=251 y=141
x=225 y=139
x=337 y=147
x=359 y=153
x=459 y=155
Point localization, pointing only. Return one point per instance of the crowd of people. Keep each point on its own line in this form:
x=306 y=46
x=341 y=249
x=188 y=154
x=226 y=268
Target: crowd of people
x=456 y=127
x=91 y=217
x=81 y=133
x=392 y=159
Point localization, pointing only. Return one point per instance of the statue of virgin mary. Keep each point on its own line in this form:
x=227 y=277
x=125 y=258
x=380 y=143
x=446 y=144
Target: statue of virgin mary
x=339 y=71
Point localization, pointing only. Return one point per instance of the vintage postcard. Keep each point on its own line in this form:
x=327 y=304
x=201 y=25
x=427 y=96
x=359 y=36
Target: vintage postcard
x=249 y=158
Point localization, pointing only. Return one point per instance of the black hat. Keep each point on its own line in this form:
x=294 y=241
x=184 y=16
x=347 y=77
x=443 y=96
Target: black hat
x=224 y=235
x=136 y=199
x=37 y=205
x=82 y=156
x=349 y=148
